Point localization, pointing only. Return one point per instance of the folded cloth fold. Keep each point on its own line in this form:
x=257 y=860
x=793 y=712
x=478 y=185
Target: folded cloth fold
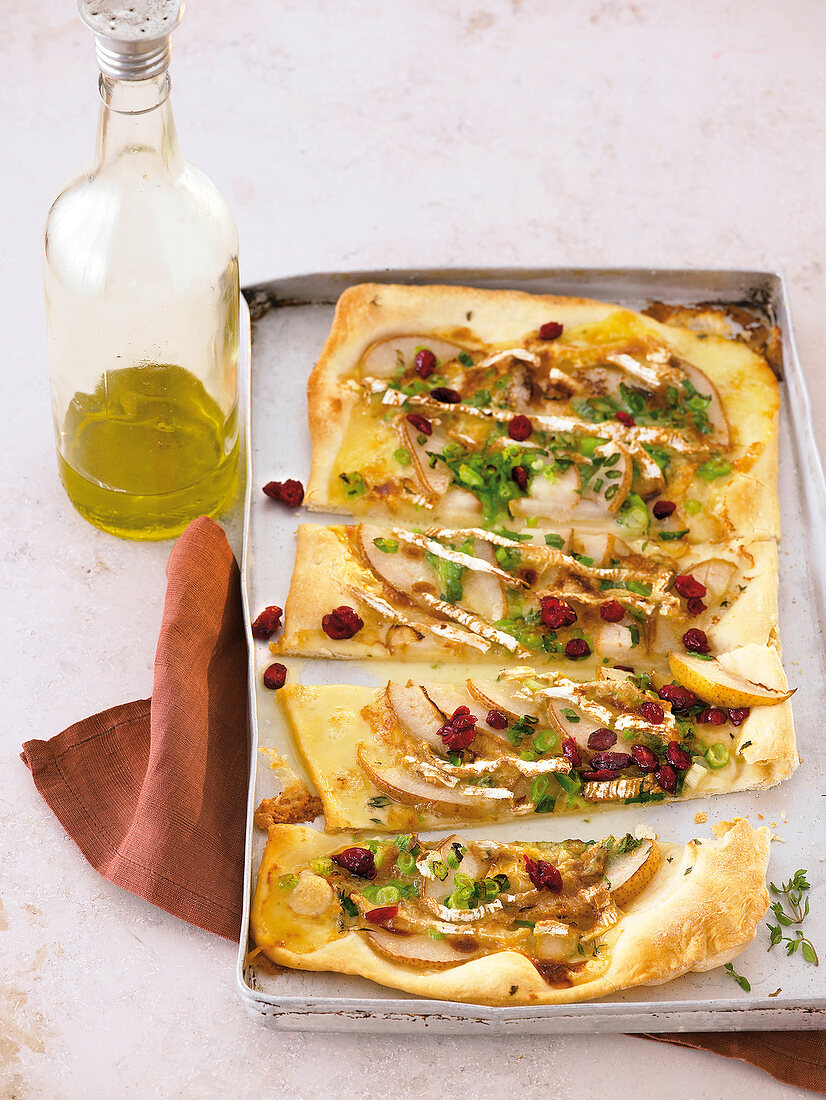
x=154 y=792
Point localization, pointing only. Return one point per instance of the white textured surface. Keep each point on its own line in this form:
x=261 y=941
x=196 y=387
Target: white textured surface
x=535 y=132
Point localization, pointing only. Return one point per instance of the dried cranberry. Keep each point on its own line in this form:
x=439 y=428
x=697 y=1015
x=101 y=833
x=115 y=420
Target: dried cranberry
x=445 y=395
x=695 y=607
x=267 y=623
x=625 y=418
x=555 y=613
x=689 y=588
x=623 y=668
x=711 y=716
x=496 y=720
x=738 y=715
x=679 y=697
x=358 y=861
x=663 y=508
x=612 y=761
x=599 y=774
x=275 y=676
x=551 y=330
x=652 y=712
x=289 y=492
x=425 y=363
x=459 y=730
x=543 y=875
x=644 y=758
x=520 y=476
x=577 y=648
x=382 y=915
x=677 y=757
x=341 y=623
x=519 y=428
x=696 y=641
x=570 y=749
x=612 y=611
x=666 y=777
x=602 y=739
x=420 y=424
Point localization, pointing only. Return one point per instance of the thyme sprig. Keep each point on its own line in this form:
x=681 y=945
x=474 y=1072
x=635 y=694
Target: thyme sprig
x=792 y=893
x=744 y=983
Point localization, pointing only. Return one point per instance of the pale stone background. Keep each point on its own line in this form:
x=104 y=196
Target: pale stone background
x=353 y=134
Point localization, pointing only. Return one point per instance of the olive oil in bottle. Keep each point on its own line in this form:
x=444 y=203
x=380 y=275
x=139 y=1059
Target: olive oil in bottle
x=155 y=433
x=141 y=280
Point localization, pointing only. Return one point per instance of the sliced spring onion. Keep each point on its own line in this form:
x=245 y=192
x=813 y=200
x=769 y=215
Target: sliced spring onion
x=717 y=756
x=321 y=865
x=539 y=787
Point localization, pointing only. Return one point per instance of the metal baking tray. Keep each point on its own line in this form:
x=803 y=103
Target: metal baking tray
x=291 y=318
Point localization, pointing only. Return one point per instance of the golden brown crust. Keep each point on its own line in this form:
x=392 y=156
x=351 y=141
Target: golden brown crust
x=744 y=503
x=683 y=920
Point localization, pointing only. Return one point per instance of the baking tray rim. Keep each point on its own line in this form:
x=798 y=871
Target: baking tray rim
x=771 y=290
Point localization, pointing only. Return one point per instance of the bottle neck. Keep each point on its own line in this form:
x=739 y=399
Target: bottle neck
x=136 y=118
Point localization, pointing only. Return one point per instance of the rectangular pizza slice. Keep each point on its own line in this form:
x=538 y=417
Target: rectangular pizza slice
x=416 y=755
x=475 y=407
x=574 y=600
x=497 y=923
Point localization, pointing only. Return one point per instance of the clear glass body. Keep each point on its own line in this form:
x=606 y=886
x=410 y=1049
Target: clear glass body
x=141 y=281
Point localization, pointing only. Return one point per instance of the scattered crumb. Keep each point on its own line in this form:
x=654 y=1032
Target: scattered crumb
x=293 y=805
x=775 y=992
x=760 y=816
x=778 y=839
x=773 y=824
x=700 y=818
x=783 y=815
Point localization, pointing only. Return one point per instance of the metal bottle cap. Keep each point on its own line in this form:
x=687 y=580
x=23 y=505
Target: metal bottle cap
x=132 y=36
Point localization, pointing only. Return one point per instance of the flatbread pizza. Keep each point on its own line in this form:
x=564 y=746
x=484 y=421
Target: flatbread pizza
x=566 y=598
x=471 y=407
x=495 y=923
x=420 y=754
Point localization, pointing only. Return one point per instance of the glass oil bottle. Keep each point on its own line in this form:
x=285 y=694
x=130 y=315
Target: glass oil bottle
x=141 y=281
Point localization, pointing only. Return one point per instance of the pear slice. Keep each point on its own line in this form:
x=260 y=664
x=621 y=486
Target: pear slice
x=631 y=872
x=435 y=479
x=715 y=573
x=504 y=697
x=554 y=499
x=445 y=697
x=406 y=570
x=715 y=413
x=384 y=358
x=614 y=641
x=611 y=491
x=417 y=713
x=717 y=685
x=418 y=949
x=576 y=723
x=482 y=591
x=412 y=790
x=470 y=864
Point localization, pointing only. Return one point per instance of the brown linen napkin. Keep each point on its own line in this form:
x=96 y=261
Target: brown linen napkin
x=154 y=792
x=154 y=795
x=796 y=1057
